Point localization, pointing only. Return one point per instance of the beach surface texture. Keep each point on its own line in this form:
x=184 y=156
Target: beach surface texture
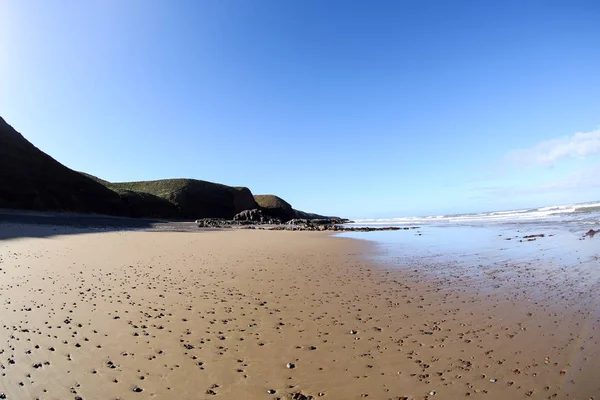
x=248 y=314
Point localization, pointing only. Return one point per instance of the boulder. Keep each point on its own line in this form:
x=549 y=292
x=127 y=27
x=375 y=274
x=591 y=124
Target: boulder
x=213 y=223
x=254 y=215
x=591 y=233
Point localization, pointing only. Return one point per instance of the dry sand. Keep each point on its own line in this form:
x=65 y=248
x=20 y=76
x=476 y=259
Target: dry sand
x=176 y=315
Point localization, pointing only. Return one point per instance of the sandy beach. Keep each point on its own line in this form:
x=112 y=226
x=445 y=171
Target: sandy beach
x=245 y=314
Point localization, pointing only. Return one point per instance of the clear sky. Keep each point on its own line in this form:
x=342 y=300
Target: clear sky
x=360 y=109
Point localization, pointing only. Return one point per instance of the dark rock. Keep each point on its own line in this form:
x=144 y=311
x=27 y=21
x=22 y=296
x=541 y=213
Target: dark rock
x=591 y=233
x=318 y=221
x=301 y=396
x=327 y=224
x=255 y=215
x=213 y=223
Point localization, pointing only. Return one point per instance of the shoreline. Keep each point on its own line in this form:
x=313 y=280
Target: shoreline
x=200 y=303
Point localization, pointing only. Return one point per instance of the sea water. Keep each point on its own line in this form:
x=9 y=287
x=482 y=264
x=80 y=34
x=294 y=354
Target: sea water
x=494 y=249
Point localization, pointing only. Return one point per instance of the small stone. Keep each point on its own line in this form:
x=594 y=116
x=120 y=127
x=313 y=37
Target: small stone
x=493 y=380
x=353 y=332
x=271 y=391
x=432 y=393
x=138 y=389
x=291 y=365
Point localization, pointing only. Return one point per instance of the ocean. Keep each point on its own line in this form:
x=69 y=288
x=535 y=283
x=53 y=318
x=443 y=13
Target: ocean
x=476 y=246
x=569 y=216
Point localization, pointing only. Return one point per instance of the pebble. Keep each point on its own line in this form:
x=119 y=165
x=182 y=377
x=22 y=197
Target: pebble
x=271 y=391
x=291 y=365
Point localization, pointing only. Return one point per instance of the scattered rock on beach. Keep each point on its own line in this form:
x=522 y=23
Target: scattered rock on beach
x=301 y=396
x=531 y=238
x=591 y=233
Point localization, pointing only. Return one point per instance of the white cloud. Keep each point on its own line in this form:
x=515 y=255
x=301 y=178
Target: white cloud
x=584 y=179
x=548 y=152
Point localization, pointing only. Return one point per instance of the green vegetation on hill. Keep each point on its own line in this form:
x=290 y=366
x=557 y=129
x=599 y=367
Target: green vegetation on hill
x=193 y=198
x=182 y=198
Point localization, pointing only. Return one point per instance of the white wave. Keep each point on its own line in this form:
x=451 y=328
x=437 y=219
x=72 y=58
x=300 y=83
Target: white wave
x=588 y=205
x=557 y=212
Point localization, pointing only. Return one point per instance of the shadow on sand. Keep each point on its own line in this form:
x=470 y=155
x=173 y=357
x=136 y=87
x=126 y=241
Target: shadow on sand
x=16 y=224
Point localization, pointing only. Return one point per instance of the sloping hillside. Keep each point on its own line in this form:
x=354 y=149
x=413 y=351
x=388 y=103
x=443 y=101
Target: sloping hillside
x=30 y=179
x=306 y=215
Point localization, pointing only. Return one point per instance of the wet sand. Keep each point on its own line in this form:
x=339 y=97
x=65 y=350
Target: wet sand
x=236 y=314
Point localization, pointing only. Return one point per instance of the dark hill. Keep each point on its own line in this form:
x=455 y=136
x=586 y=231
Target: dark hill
x=306 y=215
x=188 y=198
x=30 y=179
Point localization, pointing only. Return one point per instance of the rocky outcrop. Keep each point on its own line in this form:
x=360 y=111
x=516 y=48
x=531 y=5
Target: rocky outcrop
x=257 y=216
x=332 y=228
x=213 y=223
x=318 y=221
x=250 y=219
x=591 y=233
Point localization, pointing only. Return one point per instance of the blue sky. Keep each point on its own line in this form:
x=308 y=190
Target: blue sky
x=361 y=109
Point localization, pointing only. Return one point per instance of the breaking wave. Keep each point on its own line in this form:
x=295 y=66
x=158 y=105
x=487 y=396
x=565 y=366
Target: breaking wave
x=583 y=213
